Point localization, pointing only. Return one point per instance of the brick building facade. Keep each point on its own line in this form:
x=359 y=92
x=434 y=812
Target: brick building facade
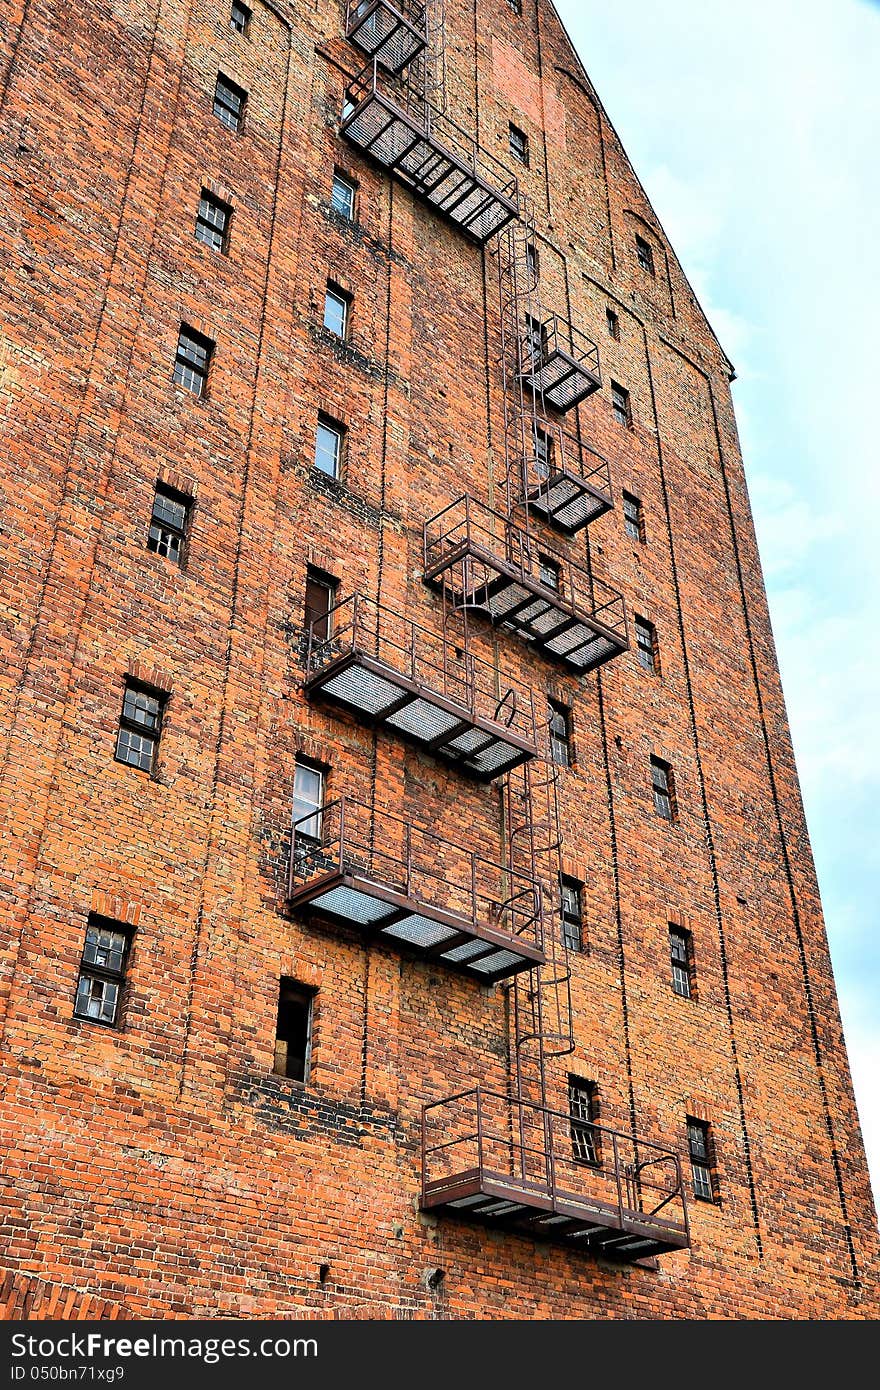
x=389 y=701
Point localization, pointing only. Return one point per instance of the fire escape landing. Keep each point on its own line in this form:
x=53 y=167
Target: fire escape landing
x=494 y=567
x=399 y=882
x=568 y=483
x=559 y=363
x=426 y=150
x=392 y=34
x=512 y=1163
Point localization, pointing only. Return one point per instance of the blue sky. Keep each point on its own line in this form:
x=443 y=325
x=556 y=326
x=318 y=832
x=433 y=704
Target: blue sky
x=754 y=130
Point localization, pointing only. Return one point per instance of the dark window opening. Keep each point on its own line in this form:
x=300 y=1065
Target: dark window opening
x=168 y=523
x=700 y=1151
x=515 y=6
x=681 y=952
x=536 y=338
x=102 y=971
x=212 y=222
x=560 y=733
x=620 y=404
x=239 y=17
x=140 y=726
x=321 y=593
x=550 y=572
x=646 y=644
x=543 y=453
x=613 y=323
x=192 y=360
x=293 y=1031
x=519 y=144
x=229 y=102
x=633 y=517
x=533 y=260
x=645 y=254
x=572 y=914
x=582 y=1110
x=662 y=786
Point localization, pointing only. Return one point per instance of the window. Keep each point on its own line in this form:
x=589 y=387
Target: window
x=519 y=144
x=328 y=447
x=515 y=6
x=168 y=523
x=645 y=254
x=560 y=733
x=699 y=1148
x=664 y=794
x=229 y=102
x=212 y=222
x=633 y=517
x=582 y=1113
x=680 y=949
x=321 y=593
x=549 y=572
x=102 y=970
x=342 y=198
x=646 y=644
x=336 y=308
x=308 y=800
x=192 y=360
x=613 y=323
x=572 y=914
x=620 y=404
x=543 y=453
x=239 y=17
x=536 y=338
x=293 y=1031
x=140 y=725
x=533 y=260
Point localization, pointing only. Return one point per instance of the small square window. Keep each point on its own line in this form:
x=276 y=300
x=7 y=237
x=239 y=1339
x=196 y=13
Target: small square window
x=321 y=592
x=229 y=102
x=663 y=789
x=519 y=144
x=140 y=726
x=645 y=254
x=328 y=447
x=572 y=914
x=212 y=222
x=681 y=953
x=192 y=360
x=582 y=1110
x=633 y=517
x=613 y=321
x=337 y=305
x=293 y=1031
x=343 y=195
x=550 y=573
x=102 y=971
x=560 y=733
x=168 y=523
x=700 y=1151
x=646 y=644
x=620 y=404
x=239 y=17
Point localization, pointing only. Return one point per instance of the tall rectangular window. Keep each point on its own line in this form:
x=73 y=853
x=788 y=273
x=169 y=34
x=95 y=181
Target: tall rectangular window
x=328 y=447
x=212 y=222
x=293 y=1030
x=533 y=260
x=239 y=17
x=140 y=726
x=519 y=144
x=633 y=517
x=308 y=800
x=168 y=523
x=613 y=322
x=543 y=452
x=337 y=305
x=102 y=970
x=646 y=644
x=645 y=254
x=192 y=360
x=572 y=914
x=342 y=196
x=582 y=1119
x=699 y=1149
x=229 y=102
x=536 y=338
x=681 y=951
x=321 y=593
x=620 y=404
x=663 y=789
x=560 y=733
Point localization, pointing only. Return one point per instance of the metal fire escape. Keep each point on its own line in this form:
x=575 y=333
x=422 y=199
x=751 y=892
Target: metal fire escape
x=507 y=1159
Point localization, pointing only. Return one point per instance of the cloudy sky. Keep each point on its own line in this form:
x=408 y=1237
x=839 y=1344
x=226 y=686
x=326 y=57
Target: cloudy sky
x=754 y=129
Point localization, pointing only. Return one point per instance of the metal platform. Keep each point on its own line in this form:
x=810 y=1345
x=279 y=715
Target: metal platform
x=392 y=34
x=401 y=884
x=559 y=363
x=504 y=1161
x=429 y=153
x=491 y=566
x=422 y=686
x=572 y=485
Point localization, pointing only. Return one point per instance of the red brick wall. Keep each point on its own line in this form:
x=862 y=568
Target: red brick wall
x=162 y=1167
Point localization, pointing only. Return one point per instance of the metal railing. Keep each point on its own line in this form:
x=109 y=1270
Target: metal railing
x=568 y=454
x=558 y=336
x=535 y=1149
x=431 y=660
x=395 y=33
x=469 y=528
x=350 y=837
